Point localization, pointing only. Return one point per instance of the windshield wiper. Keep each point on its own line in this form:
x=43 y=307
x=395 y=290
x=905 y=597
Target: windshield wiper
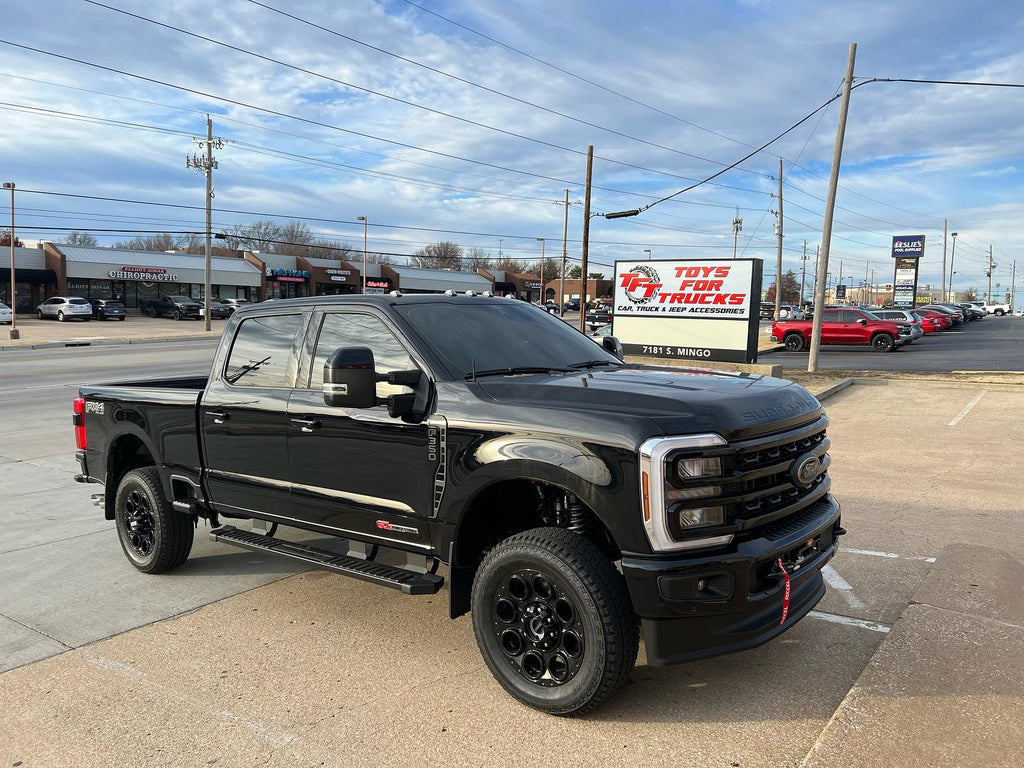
x=232 y=378
x=593 y=364
x=517 y=370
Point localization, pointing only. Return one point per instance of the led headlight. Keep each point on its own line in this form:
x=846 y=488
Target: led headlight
x=694 y=518
x=689 y=469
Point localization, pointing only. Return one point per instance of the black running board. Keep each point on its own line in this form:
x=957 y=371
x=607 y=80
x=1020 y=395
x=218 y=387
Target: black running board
x=409 y=582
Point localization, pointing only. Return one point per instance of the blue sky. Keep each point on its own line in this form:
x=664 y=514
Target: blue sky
x=667 y=93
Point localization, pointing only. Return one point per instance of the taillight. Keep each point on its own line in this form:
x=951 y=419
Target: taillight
x=78 y=419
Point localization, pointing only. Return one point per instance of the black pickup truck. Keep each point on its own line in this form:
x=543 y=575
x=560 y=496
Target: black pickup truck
x=571 y=498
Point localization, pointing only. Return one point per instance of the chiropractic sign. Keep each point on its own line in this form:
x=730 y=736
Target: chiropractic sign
x=700 y=309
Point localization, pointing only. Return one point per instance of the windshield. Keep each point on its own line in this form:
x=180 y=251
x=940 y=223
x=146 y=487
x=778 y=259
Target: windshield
x=77 y=301
x=500 y=334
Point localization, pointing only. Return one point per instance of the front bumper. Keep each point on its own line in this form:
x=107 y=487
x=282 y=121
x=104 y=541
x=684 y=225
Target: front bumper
x=730 y=600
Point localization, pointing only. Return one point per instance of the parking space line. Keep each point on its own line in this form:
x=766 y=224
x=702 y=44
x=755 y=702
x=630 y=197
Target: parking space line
x=892 y=555
x=967 y=409
x=849 y=621
x=834 y=580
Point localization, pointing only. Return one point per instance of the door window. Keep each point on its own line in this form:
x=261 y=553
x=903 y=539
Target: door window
x=360 y=330
x=261 y=355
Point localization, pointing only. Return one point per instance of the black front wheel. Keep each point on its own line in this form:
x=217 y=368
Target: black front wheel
x=155 y=537
x=795 y=343
x=883 y=342
x=553 y=620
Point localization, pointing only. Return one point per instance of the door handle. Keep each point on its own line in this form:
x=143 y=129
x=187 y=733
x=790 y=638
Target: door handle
x=219 y=417
x=308 y=425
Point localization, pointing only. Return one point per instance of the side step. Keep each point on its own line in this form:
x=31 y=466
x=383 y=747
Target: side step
x=409 y=582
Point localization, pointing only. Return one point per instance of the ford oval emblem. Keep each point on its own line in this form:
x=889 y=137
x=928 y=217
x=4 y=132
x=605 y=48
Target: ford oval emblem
x=805 y=470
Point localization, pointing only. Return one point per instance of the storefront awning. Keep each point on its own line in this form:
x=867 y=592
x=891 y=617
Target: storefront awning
x=34 y=276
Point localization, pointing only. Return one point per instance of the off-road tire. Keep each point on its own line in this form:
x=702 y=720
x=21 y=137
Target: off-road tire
x=795 y=343
x=154 y=536
x=587 y=603
x=883 y=342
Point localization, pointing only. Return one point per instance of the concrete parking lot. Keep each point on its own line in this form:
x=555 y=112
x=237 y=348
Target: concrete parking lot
x=238 y=659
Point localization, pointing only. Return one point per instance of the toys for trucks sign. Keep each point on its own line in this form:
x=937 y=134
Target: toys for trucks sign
x=700 y=309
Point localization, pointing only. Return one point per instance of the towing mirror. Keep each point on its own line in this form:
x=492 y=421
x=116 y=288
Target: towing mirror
x=350 y=380
x=613 y=345
x=862 y=321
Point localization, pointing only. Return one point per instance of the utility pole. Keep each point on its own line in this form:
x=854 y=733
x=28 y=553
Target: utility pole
x=778 y=256
x=737 y=227
x=500 y=241
x=871 y=294
x=1013 y=284
x=865 y=283
x=565 y=240
x=945 y=233
x=830 y=208
x=206 y=165
x=586 y=239
x=988 y=295
x=803 y=274
x=542 y=291
x=14 y=332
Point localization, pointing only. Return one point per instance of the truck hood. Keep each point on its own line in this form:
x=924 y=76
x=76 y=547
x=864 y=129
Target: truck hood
x=678 y=400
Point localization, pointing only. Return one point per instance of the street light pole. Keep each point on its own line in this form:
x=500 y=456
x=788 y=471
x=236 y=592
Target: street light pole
x=363 y=219
x=15 y=334
x=541 y=241
x=952 y=256
x=648 y=252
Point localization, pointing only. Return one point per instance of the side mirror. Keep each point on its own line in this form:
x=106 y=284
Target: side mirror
x=613 y=345
x=350 y=380
x=862 y=321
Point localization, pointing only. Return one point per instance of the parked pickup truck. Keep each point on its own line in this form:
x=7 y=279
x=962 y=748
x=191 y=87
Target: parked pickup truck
x=998 y=309
x=571 y=498
x=844 y=326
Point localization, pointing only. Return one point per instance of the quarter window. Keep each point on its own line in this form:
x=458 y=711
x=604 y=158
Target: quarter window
x=261 y=355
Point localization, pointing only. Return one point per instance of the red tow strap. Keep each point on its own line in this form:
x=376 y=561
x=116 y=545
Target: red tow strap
x=785 y=592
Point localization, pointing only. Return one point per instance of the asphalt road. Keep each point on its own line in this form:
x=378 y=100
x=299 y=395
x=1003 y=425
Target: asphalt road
x=991 y=344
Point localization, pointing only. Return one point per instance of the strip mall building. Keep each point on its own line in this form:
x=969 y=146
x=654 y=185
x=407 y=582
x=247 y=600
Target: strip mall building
x=137 y=277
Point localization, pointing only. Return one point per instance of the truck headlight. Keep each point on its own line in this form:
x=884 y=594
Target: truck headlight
x=689 y=469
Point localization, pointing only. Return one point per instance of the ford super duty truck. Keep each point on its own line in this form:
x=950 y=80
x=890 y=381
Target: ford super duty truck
x=570 y=500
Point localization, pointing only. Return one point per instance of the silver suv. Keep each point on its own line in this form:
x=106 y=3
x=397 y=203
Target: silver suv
x=65 y=307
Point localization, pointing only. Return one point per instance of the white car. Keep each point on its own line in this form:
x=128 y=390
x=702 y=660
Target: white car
x=64 y=308
x=5 y=314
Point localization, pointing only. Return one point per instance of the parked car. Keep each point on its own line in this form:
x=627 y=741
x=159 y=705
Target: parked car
x=790 y=312
x=844 y=326
x=218 y=311
x=767 y=311
x=956 y=316
x=599 y=315
x=931 y=322
x=234 y=304
x=572 y=305
x=902 y=316
x=178 y=307
x=65 y=307
x=975 y=312
x=104 y=308
x=5 y=314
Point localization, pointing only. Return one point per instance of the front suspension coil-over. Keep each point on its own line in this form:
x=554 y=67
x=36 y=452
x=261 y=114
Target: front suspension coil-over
x=579 y=516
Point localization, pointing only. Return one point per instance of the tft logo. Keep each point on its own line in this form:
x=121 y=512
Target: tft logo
x=641 y=284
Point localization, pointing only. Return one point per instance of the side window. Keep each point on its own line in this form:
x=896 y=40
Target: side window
x=261 y=353
x=832 y=316
x=351 y=329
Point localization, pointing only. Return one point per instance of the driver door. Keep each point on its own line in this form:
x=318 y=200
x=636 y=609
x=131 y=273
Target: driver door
x=358 y=470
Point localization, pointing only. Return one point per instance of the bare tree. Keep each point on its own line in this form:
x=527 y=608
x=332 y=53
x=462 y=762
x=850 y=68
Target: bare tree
x=260 y=235
x=329 y=249
x=5 y=240
x=477 y=258
x=162 y=242
x=441 y=255
x=80 y=238
x=379 y=258
x=507 y=264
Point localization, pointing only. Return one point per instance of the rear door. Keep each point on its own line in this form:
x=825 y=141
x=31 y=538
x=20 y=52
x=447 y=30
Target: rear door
x=358 y=470
x=243 y=418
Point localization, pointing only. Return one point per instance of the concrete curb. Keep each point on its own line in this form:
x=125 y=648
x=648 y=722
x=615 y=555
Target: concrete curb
x=101 y=342
x=836 y=388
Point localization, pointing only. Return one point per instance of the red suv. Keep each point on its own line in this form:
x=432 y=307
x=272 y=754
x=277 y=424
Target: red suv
x=841 y=325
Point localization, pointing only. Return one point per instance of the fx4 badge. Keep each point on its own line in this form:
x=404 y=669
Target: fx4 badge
x=384 y=525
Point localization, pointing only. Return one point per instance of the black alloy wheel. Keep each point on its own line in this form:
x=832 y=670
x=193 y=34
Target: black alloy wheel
x=154 y=536
x=795 y=343
x=177 y=314
x=883 y=342
x=553 y=621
